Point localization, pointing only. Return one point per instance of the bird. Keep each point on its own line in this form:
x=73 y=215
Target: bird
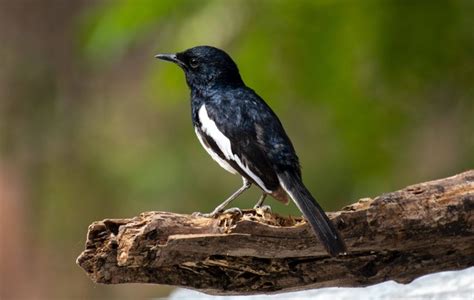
x=244 y=136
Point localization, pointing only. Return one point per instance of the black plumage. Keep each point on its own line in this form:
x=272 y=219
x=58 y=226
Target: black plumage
x=242 y=133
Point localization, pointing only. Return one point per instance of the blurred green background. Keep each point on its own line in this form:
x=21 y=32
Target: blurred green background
x=375 y=95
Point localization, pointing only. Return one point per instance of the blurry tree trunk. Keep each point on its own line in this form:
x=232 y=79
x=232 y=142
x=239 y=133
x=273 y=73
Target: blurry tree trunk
x=37 y=59
x=422 y=229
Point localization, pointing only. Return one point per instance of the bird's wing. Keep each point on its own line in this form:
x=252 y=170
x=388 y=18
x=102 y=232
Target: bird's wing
x=232 y=134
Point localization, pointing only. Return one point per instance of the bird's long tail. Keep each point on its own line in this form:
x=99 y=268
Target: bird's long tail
x=322 y=226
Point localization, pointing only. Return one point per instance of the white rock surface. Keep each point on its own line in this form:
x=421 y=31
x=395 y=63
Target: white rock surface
x=444 y=285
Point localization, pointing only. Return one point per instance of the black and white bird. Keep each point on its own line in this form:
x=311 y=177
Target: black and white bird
x=242 y=133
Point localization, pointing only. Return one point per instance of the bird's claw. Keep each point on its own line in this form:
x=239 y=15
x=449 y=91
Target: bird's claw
x=263 y=208
x=205 y=215
x=215 y=213
x=233 y=211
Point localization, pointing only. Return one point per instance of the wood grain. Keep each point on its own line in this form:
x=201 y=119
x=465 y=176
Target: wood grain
x=421 y=229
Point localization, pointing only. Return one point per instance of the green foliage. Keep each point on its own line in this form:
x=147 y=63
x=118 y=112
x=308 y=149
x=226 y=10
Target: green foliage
x=366 y=68
x=108 y=30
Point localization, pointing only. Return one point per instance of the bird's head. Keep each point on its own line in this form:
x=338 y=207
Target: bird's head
x=205 y=66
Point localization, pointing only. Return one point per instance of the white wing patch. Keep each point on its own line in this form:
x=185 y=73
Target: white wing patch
x=214 y=155
x=209 y=127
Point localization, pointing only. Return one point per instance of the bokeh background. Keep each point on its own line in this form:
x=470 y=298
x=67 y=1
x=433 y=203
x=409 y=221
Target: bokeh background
x=375 y=95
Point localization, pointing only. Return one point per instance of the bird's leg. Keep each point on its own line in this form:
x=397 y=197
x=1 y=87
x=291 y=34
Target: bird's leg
x=260 y=201
x=220 y=208
x=260 y=206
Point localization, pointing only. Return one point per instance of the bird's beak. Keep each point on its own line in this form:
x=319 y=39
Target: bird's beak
x=167 y=57
x=172 y=58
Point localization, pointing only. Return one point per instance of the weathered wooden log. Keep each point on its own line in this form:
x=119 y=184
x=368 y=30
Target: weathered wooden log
x=421 y=229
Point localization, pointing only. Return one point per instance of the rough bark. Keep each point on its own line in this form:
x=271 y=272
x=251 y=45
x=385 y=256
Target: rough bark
x=422 y=229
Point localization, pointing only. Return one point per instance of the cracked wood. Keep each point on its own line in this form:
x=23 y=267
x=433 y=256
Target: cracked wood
x=421 y=229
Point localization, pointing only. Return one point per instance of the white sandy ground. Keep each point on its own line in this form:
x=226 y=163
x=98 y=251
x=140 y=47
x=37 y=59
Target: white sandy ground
x=443 y=285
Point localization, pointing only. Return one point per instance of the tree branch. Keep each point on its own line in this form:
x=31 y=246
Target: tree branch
x=422 y=229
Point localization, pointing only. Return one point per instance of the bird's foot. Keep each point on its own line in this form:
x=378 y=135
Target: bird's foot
x=211 y=215
x=233 y=211
x=263 y=208
x=217 y=212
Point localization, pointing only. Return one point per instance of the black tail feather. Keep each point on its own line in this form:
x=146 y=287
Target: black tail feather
x=317 y=218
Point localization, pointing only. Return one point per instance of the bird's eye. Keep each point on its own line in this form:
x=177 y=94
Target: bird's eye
x=193 y=63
